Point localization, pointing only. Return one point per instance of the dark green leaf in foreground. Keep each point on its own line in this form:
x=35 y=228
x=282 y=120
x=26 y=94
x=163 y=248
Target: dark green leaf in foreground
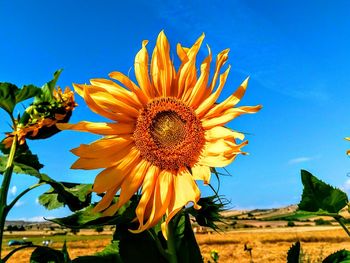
x=27 y=92
x=186 y=240
x=342 y=256
x=8 y=96
x=318 y=195
x=294 y=254
x=47 y=255
x=110 y=254
x=65 y=253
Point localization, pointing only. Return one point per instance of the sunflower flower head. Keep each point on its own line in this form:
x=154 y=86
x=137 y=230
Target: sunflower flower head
x=166 y=131
x=39 y=119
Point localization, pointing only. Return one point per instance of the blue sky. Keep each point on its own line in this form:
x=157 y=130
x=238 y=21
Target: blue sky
x=296 y=53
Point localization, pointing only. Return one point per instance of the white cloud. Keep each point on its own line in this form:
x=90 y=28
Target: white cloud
x=346 y=185
x=35 y=218
x=37 y=201
x=19 y=203
x=303 y=159
x=13 y=190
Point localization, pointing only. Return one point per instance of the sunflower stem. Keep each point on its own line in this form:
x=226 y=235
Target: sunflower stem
x=171 y=242
x=340 y=221
x=4 y=209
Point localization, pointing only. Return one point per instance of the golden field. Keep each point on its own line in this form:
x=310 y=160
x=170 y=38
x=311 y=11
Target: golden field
x=268 y=245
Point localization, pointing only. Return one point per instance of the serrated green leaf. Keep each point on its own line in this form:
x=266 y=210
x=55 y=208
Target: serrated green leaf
x=75 y=196
x=110 y=254
x=47 y=90
x=293 y=255
x=27 y=92
x=86 y=218
x=46 y=255
x=7 y=96
x=318 y=195
x=342 y=256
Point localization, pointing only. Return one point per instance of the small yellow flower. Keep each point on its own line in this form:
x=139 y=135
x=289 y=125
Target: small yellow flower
x=166 y=131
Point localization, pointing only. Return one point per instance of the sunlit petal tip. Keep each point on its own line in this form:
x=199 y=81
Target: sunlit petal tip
x=79 y=88
x=347 y=138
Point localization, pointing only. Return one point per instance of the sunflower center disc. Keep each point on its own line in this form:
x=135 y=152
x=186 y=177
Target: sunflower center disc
x=168 y=134
x=168 y=129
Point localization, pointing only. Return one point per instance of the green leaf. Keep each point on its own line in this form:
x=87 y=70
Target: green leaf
x=293 y=255
x=65 y=253
x=75 y=196
x=318 y=195
x=186 y=239
x=110 y=254
x=25 y=161
x=47 y=90
x=143 y=243
x=27 y=92
x=342 y=256
x=7 y=96
x=47 y=255
x=86 y=218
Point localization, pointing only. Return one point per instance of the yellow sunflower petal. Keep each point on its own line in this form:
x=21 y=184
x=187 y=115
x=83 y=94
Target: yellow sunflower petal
x=187 y=73
x=230 y=101
x=117 y=91
x=114 y=175
x=200 y=172
x=195 y=96
x=229 y=115
x=142 y=97
x=219 y=132
x=162 y=68
x=208 y=103
x=214 y=158
x=103 y=147
x=98 y=162
x=164 y=191
x=95 y=107
x=106 y=200
x=141 y=71
x=185 y=191
x=132 y=182
x=220 y=61
x=147 y=191
x=99 y=128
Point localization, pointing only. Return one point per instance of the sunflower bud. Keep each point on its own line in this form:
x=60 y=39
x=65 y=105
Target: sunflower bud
x=40 y=118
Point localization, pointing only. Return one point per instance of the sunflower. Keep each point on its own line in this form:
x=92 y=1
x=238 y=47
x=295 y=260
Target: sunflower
x=166 y=131
x=43 y=117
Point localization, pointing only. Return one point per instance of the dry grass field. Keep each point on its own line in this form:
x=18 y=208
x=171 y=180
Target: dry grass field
x=268 y=245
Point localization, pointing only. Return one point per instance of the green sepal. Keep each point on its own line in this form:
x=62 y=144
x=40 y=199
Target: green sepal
x=210 y=211
x=341 y=256
x=8 y=96
x=319 y=196
x=294 y=253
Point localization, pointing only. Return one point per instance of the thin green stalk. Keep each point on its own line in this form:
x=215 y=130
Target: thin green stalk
x=9 y=207
x=158 y=243
x=17 y=249
x=340 y=221
x=171 y=242
x=4 y=189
